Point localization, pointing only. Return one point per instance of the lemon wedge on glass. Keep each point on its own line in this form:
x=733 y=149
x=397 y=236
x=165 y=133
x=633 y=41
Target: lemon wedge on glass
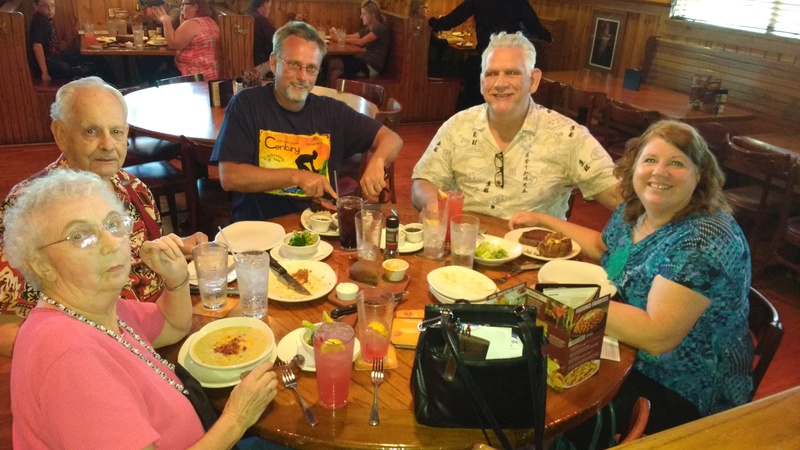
x=332 y=346
x=378 y=328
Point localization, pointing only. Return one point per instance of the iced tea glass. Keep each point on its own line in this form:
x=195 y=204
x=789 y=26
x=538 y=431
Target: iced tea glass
x=346 y=209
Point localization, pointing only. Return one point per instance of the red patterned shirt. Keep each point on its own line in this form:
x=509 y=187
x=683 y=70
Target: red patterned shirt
x=18 y=297
x=202 y=55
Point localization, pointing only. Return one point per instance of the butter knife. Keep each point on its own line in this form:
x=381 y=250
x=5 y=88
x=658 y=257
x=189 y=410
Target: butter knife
x=287 y=278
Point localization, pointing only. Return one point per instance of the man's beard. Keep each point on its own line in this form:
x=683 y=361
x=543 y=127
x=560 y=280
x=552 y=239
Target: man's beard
x=297 y=93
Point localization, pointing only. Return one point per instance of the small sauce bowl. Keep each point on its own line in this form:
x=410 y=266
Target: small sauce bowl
x=395 y=269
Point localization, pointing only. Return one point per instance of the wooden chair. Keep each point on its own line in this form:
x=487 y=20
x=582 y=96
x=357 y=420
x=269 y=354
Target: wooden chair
x=767 y=332
x=163 y=180
x=581 y=105
x=621 y=122
x=787 y=235
x=637 y=421
x=205 y=196
x=715 y=135
x=389 y=116
x=548 y=94
x=372 y=92
x=760 y=200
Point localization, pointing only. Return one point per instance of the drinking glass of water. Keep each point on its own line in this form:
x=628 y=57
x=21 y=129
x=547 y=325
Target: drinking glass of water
x=252 y=273
x=211 y=263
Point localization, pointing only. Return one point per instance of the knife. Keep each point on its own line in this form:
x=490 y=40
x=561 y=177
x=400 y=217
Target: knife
x=351 y=309
x=282 y=273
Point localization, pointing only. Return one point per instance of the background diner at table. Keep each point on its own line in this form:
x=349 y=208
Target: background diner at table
x=197 y=39
x=682 y=268
x=375 y=37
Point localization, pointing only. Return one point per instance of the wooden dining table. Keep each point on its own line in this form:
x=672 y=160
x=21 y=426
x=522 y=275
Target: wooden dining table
x=105 y=50
x=347 y=50
x=283 y=421
x=670 y=104
x=771 y=422
x=183 y=109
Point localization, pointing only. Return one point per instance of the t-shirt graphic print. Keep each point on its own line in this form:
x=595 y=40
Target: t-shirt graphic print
x=278 y=150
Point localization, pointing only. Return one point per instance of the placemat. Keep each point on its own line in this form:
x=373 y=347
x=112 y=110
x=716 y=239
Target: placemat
x=389 y=363
x=222 y=312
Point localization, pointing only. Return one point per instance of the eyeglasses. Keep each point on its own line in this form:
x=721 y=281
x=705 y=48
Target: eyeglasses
x=499 y=178
x=294 y=66
x=86 y=235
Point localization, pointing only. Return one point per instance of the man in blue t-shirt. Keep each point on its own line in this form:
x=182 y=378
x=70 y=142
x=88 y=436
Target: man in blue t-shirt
x=271 y=131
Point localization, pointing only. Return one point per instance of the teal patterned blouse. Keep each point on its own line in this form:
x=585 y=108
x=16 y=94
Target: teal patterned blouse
x=706 y=252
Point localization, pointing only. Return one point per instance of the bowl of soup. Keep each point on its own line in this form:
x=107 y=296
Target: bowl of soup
x=232 y=344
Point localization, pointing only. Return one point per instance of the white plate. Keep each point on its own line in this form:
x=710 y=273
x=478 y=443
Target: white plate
x=458 y=282
x=533 y=252
x=306 y=222
x=287 y=348
x=193 y=272
x=576 y=272
x=252 y=235
x=106 y=39
x=513 y=248
x=449 y=301
x=322 y=280
x=157 y=44
x=407 y=247
x=323 y=251
x=209 y=378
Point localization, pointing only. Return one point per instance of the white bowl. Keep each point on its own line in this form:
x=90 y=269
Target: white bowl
x=514 y=250
x=416 y=234
x=253 y=325
x=306 y=251
x=395 y=269
x=320 y=222
x=576 y=272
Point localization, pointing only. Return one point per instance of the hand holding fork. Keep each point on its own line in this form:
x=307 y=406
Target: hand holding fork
x=377 y=380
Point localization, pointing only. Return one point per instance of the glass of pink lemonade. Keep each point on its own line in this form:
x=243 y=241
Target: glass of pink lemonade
x=333 y=357
x=375 y=313
x=455 y=205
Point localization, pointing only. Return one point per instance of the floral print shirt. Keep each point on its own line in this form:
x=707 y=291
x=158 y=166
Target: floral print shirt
x=17 y=297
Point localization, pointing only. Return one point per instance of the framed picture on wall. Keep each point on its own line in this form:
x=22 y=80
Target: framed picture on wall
x=606 y=39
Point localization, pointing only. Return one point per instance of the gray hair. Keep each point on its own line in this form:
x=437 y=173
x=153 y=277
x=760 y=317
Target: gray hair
x=66 y=96
x=515 y=40
x=300 y=29
x=25 y=218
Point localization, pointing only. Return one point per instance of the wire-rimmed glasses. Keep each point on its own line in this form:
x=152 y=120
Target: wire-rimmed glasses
x=86 y=235
x=294 y=67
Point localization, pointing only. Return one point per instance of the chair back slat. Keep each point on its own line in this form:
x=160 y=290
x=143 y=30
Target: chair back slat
x=372 y=92
x=767 y=330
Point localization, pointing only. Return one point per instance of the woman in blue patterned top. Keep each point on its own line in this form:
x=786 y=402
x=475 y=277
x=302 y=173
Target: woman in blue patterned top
x=682 y=268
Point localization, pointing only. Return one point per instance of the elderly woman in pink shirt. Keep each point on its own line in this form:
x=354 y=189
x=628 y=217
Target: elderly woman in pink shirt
x=196 y=39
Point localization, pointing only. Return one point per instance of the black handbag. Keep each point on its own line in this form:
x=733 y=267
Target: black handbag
x=197 y=397
x=496 y=394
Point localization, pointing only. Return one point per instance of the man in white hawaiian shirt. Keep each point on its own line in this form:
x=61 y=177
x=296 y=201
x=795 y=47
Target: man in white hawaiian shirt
x=511 y=154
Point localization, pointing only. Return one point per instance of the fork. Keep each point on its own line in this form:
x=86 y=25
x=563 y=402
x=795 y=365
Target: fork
x=377 y=380
x=514 y=271
x=290 y=381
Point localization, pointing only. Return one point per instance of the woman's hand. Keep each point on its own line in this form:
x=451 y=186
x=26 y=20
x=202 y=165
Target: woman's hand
x=524 y=219
x=250 y=398
x=165 y=257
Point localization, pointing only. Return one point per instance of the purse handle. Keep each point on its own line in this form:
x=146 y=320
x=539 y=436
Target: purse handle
x=527 y=341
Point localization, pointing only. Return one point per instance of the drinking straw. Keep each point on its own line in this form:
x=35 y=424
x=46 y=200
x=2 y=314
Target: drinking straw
x=335 y=182
x=228 y=243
